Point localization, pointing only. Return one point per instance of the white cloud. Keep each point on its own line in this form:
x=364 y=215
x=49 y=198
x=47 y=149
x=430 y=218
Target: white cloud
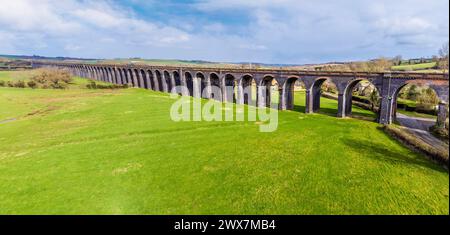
x=26 y=15
x=340 y=30
x=98 y=18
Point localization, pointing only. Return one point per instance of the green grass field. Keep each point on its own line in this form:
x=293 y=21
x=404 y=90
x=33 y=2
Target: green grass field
x=414 y=67
x=82 y=151
x=26 y=75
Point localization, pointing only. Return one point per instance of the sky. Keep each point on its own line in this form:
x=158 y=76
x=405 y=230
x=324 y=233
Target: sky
x=264 y=31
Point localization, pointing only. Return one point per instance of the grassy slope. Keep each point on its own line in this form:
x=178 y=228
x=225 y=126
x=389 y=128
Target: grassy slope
x=111 y=152
x=26 y=75
x=414 y=66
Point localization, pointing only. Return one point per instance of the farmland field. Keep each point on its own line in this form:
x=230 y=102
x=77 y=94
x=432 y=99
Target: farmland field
x=414 y=67
x=81 y=151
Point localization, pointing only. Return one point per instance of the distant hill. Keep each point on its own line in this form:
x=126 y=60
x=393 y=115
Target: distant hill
x=140 y=60
x=37 y=57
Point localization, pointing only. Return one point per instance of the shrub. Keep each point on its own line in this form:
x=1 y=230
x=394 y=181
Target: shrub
x=440 y=132
x=19 y=84
x=2 y=83
x=329 y=87
x=413 y=142
x=55 y=77
x=92 y=85
x=412 y=92
x=58 y=85
x=10 y=84
x=32 y=84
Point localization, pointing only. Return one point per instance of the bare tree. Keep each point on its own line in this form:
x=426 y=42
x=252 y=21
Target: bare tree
x=397 y=60
x=443 y=57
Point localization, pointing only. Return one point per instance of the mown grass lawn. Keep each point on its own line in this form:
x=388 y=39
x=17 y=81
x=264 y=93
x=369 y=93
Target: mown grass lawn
x=82 y=151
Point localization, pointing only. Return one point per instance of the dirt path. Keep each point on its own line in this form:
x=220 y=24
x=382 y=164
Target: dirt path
x=419 y=127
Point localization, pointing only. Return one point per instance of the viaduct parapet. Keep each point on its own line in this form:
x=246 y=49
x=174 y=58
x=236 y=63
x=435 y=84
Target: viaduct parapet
x=198 y=79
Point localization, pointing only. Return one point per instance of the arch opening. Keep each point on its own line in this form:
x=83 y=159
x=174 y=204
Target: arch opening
x=362 y=94
x=247 y=90
x=415 y=105
x=215 y=91
x=177 y=80
x=144 y=79
x=324 y=90
x=201 y=86
x=110 y=75
x=130 y=77
x=159 y=80
x=136 y=78
x=230 y=89
x=299 y=95
x=151 y=80
x=104 y=74
x=288 y=96
x=168 y=81
x=123 y=76
x=268 y=92
x=189 y=83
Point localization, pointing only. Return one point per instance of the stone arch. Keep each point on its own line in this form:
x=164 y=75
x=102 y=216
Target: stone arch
x=130 y=78
x=161 y=83
x=94 y=72
x=424 y=85
x=189 y=83
x=136 y=78
x=133 y=76
x=118 y=76
x=176 y=80
x=265 y=90
x=168 y=81
x=111 y=75
x=102 y=74
x=151 y=80
x=144 y=79
x=347 y=96
x=228 y=91
x=123 y=75
x=201 y=86
x=98 y=76
x=246 y=92
x=215 y=91
x=287 y=93
x=89 y=71
x=314 y=93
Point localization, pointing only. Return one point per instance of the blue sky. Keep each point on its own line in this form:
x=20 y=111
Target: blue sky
x=268 y=31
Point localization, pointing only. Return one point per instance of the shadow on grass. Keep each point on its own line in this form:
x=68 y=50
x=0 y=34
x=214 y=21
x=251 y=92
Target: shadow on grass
x=384 y=154
x=326 y=111
x=332 y=112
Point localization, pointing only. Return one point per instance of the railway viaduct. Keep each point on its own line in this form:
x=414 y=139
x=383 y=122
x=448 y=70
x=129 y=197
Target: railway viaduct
x=164 y=78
